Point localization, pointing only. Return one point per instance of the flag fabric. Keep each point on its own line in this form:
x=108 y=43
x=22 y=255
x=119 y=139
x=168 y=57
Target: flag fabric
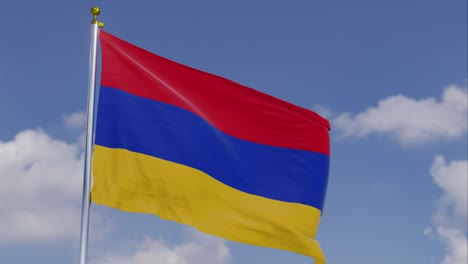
x=207 y=152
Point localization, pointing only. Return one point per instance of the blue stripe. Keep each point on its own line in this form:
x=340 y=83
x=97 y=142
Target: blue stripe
x=171 y=133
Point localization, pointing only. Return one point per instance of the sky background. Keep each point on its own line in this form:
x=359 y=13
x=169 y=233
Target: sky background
x=391 y=76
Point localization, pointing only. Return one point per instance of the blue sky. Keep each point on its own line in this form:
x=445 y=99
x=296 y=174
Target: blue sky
x=391 y=76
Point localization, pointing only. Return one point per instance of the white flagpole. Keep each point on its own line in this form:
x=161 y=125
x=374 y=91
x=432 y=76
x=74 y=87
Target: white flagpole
x=95 y=11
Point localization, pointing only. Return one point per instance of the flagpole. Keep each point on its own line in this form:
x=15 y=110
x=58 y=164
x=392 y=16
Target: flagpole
x=85 y=209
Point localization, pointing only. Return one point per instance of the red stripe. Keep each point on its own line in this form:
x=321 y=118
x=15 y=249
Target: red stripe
x=237 y=110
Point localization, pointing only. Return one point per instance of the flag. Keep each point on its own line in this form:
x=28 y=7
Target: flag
x=201 y=150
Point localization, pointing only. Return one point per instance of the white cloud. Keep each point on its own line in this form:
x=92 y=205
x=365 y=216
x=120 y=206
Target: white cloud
x=323 y=111
x=410 y=120
x=453 y=180
x=75 y=120
x=41 y=184
x=202 y=249
x=450 y=217
x=456 y=244
x=428 y=231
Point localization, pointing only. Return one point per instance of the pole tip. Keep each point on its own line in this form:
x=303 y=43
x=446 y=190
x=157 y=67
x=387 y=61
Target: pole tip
x=95 y=11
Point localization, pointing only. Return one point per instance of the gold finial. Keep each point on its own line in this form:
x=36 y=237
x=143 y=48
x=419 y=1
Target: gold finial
x=95 y=11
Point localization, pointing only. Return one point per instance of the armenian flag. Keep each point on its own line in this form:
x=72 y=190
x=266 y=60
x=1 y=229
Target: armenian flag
x=201 y=150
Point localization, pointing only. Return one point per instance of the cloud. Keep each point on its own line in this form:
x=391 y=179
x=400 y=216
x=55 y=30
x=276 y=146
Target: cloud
x=201 y=249
x=453 y=180
x=322 y=110
x=409 y=120
x=456 y=244
x=41 y=184
x=450 y=217
x=75 y=120
x=428 y=232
